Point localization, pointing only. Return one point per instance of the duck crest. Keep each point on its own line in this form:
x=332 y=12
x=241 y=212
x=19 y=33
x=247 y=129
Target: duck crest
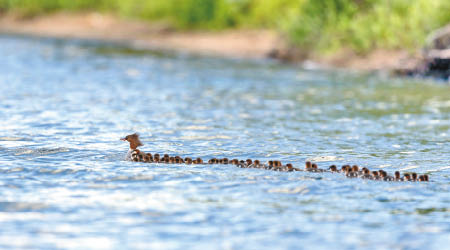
x=134 y=154
x=134 y=141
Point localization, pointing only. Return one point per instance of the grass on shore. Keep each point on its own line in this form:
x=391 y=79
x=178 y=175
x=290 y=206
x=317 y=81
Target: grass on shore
x=318 y=26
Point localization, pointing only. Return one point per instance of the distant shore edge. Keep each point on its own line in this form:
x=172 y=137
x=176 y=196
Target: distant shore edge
x=252 y=44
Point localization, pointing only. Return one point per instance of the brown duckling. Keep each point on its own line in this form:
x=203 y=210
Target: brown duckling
x=135 y=155
x=333 y=168
x=344 y=168
x=277 y=166
x=308 y=166
x=149 y=157
x=414 y=177
x=256 y=164
x=156 y=158
x=375 y=175
x=270 y=164
x=242 y=164
x=290 y=168
x=314 y=168
x=397 y=176
x=198 y=161
x=366 y=174
x=350 y=173
x=188 y=160
x=384 y=176
x=406 y=177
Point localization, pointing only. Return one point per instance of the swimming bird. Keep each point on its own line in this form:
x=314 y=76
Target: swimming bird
x=134 y=154
x=333 y=168
x=134 y=141
x=397 y=176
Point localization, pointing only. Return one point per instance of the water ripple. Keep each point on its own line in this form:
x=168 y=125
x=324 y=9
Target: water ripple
x=64 y=182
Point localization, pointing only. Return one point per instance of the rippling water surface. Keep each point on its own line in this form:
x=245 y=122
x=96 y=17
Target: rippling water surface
x=64 y=182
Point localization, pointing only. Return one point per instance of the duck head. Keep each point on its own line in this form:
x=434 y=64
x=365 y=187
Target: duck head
x=133 y=139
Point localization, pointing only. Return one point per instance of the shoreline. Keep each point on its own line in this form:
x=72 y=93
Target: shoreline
x=251 y=44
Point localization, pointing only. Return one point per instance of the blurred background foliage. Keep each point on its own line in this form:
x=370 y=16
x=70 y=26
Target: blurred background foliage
x=319 y=25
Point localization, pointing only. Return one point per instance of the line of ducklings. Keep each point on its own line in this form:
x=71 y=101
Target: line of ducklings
x=349 y=171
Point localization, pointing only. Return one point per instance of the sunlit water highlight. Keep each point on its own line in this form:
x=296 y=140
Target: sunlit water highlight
x=64 y=183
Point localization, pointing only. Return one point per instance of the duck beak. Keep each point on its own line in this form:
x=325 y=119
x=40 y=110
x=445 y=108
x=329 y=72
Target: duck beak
x=123 y=139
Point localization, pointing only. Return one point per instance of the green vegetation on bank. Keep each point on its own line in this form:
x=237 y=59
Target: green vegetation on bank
x=316 y=25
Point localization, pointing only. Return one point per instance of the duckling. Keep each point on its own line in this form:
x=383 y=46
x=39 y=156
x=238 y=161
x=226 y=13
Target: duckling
x=356 y=171
x=397 y=176
x=350 y=173
x=135 y=155
x=308 y=166
x=414 y=177
x=333 y=168
x=364 y=170
x=406 y=177
x=366 y=174
x=242 y=164
x=344 y=168
x=384 y=176
x=290 y=168
x=188 y=160
x=149 y=157
x=269 y=165
x=277 y=166
x=164 y=160
x=145 y=158
x=235 y=161
x=255 y=164
x=375 y=175
x=421 y=178
x=314 y=168
x=225 y=161
x=425 y=176
x=156 y=158
x=198 y=161
x=249 y=162
x=138 y=153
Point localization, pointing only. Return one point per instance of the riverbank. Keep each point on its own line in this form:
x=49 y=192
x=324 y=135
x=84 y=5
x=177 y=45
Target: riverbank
x=254 y=44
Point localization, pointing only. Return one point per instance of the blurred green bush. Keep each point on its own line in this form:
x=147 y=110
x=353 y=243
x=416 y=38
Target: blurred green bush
x=322 y=26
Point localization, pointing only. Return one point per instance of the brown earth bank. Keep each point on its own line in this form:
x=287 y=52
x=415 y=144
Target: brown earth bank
x=255 y=44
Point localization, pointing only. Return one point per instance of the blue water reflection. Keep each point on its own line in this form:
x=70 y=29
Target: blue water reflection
x=64 y=183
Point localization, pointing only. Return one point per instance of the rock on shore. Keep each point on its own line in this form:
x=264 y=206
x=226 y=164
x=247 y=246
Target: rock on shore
x=435 y=60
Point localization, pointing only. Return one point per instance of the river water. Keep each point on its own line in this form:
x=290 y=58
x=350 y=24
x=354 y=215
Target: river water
x=64 y=182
